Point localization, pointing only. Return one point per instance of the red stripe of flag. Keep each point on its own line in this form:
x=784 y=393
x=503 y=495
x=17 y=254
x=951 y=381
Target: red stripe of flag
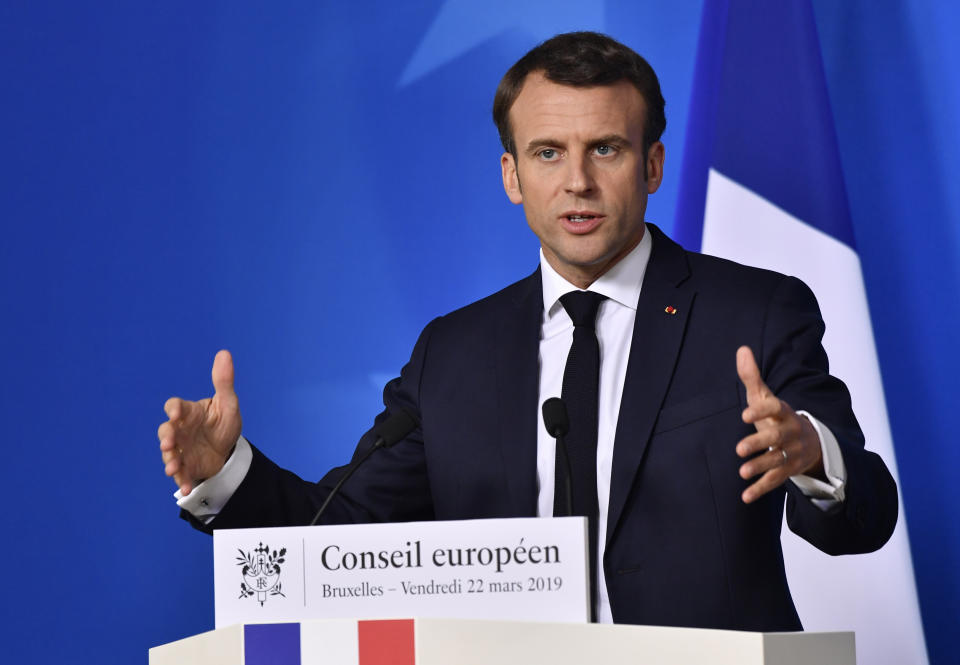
x=387 y=642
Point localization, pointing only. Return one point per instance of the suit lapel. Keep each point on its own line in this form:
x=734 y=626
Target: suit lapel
x=518 y=386
x=657 y=338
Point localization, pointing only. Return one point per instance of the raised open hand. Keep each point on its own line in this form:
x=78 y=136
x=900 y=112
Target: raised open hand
x=198 y=437
x=791 y=444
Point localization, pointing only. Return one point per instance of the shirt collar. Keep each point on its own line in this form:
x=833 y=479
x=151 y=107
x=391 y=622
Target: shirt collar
x=621 y=283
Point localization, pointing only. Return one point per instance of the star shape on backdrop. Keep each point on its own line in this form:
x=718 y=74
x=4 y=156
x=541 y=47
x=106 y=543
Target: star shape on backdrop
x=461 y=25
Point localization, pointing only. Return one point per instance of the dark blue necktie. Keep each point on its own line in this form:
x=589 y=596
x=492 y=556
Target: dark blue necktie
x=581 y=383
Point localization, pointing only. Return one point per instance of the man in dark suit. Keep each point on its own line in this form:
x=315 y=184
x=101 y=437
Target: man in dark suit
x=703 y=363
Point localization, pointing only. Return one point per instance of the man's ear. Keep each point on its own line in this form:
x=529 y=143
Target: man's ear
x=654 y=167
x=511 y=182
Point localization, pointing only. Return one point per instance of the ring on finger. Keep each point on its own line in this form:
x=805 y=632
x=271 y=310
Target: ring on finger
x=781 y=450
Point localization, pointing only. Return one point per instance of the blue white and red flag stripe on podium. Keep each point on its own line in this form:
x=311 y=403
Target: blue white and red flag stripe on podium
x=762 y=185
x=373 y=642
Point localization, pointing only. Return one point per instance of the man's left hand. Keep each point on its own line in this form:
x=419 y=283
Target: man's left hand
x=789 y=444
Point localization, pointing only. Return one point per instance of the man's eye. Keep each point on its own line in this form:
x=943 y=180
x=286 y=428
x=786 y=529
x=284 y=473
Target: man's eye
x=604 y=150
x=547 y=154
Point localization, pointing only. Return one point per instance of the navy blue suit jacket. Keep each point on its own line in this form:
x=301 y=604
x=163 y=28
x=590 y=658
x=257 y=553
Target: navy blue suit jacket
x=682 y=548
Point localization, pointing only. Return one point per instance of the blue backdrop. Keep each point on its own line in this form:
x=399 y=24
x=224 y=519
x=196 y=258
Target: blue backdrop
x=308 y=184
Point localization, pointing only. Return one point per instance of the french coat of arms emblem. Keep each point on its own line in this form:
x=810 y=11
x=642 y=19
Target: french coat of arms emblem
x=261 y=572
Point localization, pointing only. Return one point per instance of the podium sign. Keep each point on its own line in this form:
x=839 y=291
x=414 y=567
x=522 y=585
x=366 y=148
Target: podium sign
x=506 y=569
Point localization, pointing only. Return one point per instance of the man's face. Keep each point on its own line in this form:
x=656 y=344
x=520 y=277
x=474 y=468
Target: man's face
x=579 y=172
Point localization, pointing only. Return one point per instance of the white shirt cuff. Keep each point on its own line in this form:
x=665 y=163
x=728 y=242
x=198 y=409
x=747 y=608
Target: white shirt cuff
x=827 y=494
x=209 y=497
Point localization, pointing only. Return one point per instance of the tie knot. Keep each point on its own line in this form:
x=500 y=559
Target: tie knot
x=582 y=307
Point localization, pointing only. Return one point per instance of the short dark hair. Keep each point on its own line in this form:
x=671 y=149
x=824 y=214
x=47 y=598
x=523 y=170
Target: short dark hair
x=582 y=59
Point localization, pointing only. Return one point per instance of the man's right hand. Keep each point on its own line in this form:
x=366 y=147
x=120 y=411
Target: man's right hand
x=198 y=437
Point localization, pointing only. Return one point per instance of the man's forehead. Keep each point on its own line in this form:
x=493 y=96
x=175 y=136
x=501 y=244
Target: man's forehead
x=544 y=104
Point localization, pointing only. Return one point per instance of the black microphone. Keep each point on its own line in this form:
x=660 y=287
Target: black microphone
x=557 y=422
x=388 y=432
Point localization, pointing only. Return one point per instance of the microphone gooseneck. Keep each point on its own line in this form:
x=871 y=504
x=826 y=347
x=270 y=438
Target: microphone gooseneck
x=388 y=432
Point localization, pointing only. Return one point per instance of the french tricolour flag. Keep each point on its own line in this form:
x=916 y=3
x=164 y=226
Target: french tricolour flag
x=376 y=642
x=762 y=185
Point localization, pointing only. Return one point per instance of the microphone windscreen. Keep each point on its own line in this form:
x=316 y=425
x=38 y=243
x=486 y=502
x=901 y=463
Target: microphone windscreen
x=395 y=427
x=555 y=417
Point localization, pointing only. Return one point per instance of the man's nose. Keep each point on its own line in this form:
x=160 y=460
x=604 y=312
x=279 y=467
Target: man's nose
x=579 y=176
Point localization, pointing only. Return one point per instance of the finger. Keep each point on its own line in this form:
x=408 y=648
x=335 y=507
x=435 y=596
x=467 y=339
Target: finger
x=171 y=452
x=762 y=408
x=749 y=374
x=177 y=469
x=168 y=445
x=166 y=432
x=767 y=483
x=771 y=437
x=172 y=466
x=222 y=375
x=173 y=407
x=772 y=459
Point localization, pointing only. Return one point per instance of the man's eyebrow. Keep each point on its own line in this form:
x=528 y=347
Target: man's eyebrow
x=543 y=143
x=611 y=139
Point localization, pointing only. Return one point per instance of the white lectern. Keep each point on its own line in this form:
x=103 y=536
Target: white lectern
x=482 y=642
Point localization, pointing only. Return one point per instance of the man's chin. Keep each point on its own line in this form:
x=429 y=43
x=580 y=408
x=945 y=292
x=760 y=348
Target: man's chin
x=582 y=268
